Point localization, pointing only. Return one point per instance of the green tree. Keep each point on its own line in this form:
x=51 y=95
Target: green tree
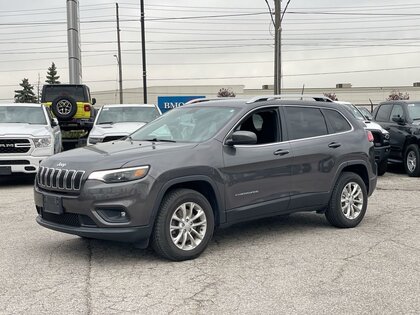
x=52 y=77
x=26 y=94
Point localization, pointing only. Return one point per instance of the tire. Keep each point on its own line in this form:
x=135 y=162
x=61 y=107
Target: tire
x=335 y=212
x=177 y=244
x=382 y=167
x=64 y=108
x=412 y=160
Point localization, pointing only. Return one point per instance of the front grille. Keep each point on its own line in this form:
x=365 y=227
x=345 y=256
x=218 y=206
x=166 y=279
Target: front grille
x=70 y=219
x=61 y=179
x=14 y=162
x=14 y=145
x=112 y=138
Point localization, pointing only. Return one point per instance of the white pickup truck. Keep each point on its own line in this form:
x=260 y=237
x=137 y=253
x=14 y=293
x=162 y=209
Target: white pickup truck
x=28 y=134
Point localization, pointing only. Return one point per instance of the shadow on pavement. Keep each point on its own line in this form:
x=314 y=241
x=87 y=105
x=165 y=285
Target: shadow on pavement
x=17 y=180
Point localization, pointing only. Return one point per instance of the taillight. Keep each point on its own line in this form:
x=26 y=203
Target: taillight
x=87 y=108
x=369 y=136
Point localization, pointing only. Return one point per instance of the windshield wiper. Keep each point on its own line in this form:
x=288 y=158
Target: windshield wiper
x=106 y=123
x=159 y=140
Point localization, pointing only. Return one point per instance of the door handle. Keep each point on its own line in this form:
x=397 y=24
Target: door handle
x=281 y=152
x=334 y=145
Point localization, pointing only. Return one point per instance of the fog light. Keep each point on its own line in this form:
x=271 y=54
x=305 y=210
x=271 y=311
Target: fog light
x=114 y=215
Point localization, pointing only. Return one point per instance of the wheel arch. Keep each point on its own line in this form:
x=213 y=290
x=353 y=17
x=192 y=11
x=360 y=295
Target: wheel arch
x=358 y=167
x=200 y=183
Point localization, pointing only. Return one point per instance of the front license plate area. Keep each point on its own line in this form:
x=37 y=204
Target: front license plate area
x=53 y=204
x=5 y=170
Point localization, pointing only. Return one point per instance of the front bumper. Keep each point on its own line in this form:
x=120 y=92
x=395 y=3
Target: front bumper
x=22 y=163
x=127 y=234
x=382 y=153
x=87 y=213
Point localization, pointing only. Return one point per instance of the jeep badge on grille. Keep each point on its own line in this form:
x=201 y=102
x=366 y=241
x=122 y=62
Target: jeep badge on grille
x=61 y=164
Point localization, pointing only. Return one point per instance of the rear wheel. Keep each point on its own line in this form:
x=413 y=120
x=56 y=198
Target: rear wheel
x=348 y=202
x=412 y=160
x=184 y=225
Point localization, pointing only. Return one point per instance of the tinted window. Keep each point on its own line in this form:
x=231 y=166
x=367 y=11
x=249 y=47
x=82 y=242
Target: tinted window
x=264 y=124
x=337 y=121
x=51 y=92
x=397 y=111
x=383 y=112
x=304 y=122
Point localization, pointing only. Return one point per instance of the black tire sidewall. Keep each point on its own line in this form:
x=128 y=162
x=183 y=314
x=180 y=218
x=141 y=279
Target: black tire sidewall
x=415 y=149
x=59 y=116
x=175 y=199
x=336 y=215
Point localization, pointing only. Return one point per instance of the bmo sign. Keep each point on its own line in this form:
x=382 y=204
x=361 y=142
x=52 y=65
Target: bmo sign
x=166 y=103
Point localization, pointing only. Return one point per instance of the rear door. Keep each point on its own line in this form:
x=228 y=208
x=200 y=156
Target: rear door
x=258 y=176
x=318 y=142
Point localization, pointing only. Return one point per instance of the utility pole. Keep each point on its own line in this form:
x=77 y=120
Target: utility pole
x=143 y=51
x=277 y=47
x=119 y=60
x=38 y=95
x=73 y=42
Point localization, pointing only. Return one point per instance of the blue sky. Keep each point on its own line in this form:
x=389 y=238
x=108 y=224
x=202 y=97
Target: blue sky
x=366 y=43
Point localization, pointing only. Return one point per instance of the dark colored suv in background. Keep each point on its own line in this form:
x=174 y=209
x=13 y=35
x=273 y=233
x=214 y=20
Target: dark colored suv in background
x=208 y=165
x=402 y=120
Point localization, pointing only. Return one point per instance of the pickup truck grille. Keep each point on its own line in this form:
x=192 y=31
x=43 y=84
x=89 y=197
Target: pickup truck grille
x=8 y=146
x=60 y=179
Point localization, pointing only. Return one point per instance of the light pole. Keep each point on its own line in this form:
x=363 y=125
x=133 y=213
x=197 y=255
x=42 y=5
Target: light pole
x=120 y=78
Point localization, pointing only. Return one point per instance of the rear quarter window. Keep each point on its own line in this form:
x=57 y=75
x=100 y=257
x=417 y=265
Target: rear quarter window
x=337 y=122
x=305 y=122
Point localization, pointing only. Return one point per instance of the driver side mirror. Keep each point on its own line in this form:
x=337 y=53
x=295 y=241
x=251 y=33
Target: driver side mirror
x=399 y=120
x=54 y=122
x=242 y=137
x=93 y=101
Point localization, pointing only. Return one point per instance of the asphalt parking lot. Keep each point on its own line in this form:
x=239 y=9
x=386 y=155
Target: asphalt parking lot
x=297 y=264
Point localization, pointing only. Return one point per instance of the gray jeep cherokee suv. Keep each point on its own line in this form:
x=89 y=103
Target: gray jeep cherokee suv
x=209 y=165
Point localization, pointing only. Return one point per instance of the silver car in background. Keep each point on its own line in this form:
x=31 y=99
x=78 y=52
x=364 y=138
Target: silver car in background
x=117 y=121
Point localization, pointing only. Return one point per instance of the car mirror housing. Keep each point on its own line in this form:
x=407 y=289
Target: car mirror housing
x=399 y=120
x=93 y=101
x=54 y=122
x=242 y=137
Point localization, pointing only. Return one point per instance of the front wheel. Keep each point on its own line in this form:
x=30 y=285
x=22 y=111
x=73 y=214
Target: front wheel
x=348 y=202
x=184 y=225
x=412 y=161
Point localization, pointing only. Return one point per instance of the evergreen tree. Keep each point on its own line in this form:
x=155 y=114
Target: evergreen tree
x=52 y=77
x=26 y=95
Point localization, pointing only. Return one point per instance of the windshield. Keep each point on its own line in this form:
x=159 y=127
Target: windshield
x=357 y=113
x=186 y=124
x=22 y=114
x=414 y=111
x=127 y=114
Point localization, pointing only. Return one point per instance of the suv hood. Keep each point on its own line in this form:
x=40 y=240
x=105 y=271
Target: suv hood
x=123 y=128
x=22 y=129
x=113 y=155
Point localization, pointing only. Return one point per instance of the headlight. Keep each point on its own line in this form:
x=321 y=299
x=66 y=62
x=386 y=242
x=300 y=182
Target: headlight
x=95 y=140
x=386 y=136
x=120 y=175
x=42 y=142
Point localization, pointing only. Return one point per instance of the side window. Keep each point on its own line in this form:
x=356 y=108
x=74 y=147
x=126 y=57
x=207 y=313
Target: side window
x=383 y=112
x=305 y=122
x=264 y=123
x=397 y=111
x=336 y=121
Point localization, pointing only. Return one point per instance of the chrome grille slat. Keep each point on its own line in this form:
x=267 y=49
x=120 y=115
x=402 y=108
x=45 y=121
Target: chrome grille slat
x=60 y=179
